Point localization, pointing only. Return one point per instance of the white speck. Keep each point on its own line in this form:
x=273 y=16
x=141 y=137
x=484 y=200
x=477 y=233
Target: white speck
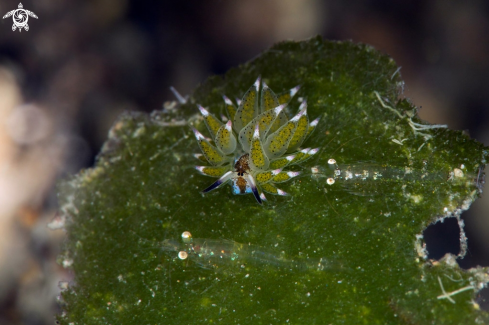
x=331 y=161
x=276 y=172
x=247 y=275
x=139 y=131
x=227 y=101
x=57 y=223
x=256 y=133
x=330 y=181
x=314 y=123
x=63 y=285
x=229 y=126
x=198 y=135
x=293 y=174
x=186 y=235
x=416 y=198
x=308 y=294
x=398 y=141
x=203 y=111
x=313 y=151
x=200 y=168
x=280 y=192
x=314 y=170
x=466 y=204
x=67 y=262
x=458 y=172
x=182 y=255
x=278 y=109
x=340 y=281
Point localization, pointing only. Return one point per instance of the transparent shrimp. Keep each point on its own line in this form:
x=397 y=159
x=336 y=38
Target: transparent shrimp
x=215 y=253
x=364 y=176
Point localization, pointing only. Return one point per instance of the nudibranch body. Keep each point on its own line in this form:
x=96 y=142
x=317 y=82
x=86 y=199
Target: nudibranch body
x=251 y=150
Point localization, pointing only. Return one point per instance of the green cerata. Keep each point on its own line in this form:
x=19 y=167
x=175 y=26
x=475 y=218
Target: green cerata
x=257 y=143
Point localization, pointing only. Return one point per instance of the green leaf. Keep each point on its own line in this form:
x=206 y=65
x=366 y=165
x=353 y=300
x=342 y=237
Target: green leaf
x=125 y=216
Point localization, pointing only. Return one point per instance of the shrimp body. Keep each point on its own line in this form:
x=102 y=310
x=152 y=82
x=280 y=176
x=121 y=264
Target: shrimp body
x=365 y=178
x=215 y=253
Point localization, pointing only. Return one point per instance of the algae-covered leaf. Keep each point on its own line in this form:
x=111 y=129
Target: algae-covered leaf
x=343 y=248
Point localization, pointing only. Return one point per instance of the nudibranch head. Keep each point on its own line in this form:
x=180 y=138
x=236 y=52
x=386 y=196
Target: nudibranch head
x=259 y=140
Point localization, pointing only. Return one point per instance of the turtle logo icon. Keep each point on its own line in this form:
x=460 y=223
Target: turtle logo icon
x=20 y=16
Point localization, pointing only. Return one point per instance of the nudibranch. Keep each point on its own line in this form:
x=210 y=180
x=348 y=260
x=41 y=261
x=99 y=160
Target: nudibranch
x=256 y=144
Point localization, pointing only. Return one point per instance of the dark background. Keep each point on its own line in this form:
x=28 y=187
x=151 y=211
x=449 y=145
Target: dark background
x=64 y=82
